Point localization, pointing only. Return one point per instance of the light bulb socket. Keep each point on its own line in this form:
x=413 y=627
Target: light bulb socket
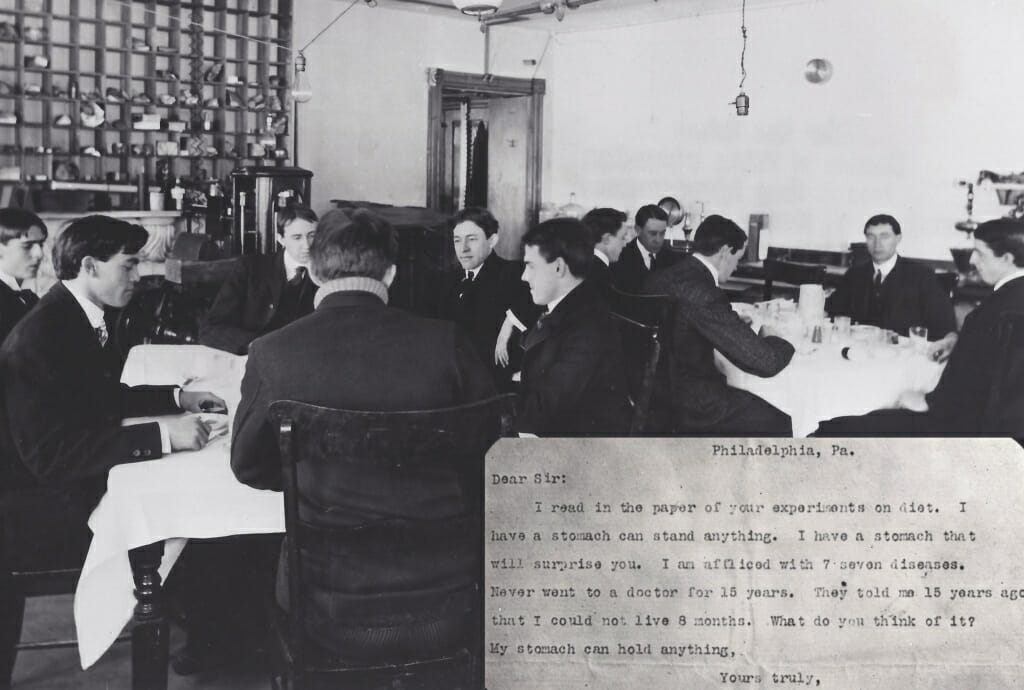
x=742 y=104
x=300 y=62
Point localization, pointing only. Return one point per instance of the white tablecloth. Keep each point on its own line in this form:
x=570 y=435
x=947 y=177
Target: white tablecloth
x=820 y=385
x=174 y=498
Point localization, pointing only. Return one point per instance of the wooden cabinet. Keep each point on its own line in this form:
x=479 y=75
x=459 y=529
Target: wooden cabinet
x=186 y=88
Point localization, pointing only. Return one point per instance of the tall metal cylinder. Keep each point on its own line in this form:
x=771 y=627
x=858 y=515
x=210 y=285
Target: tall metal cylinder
x=258 y=193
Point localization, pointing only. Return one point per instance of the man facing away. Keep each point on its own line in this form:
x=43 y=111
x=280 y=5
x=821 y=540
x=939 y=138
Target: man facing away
x=478 y=295
x=266 y=292
x=646 y=253
x=607 y=229
x=354 y=352
x=574 y=380
x=703 y=403
x=892 y=292
x=959 y=405
x=22 y=234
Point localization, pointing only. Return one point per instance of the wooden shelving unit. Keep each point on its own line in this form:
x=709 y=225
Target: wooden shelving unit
x=107 y=49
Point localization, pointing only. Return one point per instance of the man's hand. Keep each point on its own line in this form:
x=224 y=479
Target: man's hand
x=912 y=400
x=201 y=401
x=501 y=346
x=767 y=331
x=940 y=350
x=187 y=433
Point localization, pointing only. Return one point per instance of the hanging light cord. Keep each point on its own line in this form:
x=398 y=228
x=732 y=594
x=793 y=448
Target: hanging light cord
x=743 y=53
x=272 y=44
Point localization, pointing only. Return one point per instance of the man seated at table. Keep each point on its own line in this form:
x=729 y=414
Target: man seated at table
x=574 y=380
x=702 y=402
x=63 y=405
x=22 y=234
x=607 y=230
x=959 y=405
x=266 y=292
x=893 y=292
x=645 y=253
x=353 y=352
x=478 y=295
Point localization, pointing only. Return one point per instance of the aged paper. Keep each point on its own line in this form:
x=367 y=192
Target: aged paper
x=693 y=563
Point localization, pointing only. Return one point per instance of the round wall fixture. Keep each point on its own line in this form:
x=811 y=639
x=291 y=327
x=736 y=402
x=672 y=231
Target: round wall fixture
x=818 y=71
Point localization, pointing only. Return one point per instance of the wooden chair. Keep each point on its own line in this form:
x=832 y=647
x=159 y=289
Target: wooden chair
x=1004 y=413
x=789 y=272
x=642 y=320
x=390 y=558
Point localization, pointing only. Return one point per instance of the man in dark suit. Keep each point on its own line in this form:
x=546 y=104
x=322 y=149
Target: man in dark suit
x=353 y=352
x=22 y=234
x=479 y=295
x=890 y=291
x=959 y=405
x=62 y=403
x=607 y=230
x=574 y=380
x=646 y=253
x=265 y=292
x=702 y=402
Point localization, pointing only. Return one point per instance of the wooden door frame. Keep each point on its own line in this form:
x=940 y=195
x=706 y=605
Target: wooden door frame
x=490 y=85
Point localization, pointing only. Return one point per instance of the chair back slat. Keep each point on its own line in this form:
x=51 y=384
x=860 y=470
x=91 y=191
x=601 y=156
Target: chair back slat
x=642 y=322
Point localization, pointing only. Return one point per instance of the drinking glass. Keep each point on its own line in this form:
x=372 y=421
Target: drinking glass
x=919 y=339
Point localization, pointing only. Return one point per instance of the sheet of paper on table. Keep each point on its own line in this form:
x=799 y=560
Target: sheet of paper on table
x=711 y=563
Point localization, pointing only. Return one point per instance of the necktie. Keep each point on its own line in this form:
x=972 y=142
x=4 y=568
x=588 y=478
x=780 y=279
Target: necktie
x=654 y=262
x=878 y=280
x=300 y=275
x=101 y=334
x=466 y=282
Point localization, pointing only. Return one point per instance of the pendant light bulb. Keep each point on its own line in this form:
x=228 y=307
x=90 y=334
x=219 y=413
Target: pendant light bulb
x=302 y=90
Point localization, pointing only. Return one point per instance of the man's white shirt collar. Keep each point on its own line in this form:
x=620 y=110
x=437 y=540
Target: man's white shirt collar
x=92 y=312
x=291 y=266
x=708 y=265
x=10 y=281
x=1019 y=273
x=602 y=256
x=885 y=268
x=644 y=253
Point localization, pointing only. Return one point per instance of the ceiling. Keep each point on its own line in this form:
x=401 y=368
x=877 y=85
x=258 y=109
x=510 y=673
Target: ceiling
x=593 y=15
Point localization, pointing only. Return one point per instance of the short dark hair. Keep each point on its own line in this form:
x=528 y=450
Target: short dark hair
x=648 y=212
x=603 y=221
x=564 y=238
x=480 y=217
x=344 y=246
x=884 y=219
x=1004 y=236
x=16 y=222
x=716 y=232
x=97 y=236
x=286 y=215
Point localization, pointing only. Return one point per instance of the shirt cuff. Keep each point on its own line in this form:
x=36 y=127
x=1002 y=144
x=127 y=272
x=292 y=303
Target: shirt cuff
x=165 y=436
x=177 y=396
x=516 y=323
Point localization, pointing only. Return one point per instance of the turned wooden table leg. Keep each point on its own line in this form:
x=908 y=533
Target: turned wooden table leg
x=150 y=635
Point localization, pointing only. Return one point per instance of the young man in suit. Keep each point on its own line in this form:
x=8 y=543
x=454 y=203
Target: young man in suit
x=22 y=234
x=959 y=405
x=574 y=380
x=63 y=406
x=646 y=253
x=266 y=292
x=890 y=291
x=702 y=402
x=607 y=229
x=353 y=352
x=478 y=295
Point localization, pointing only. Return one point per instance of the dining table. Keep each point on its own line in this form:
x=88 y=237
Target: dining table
x=152 y=508
x=847 y=373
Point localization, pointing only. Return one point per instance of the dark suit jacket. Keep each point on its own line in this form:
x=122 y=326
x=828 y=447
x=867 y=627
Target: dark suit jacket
x=13 y=305
x=630 y=272
x=246 y=304
x=705 y=322
x=63 y=402
x=960 y=399
x=353 y=352
x=911 y=296
x=497 y=288
x=599 y=275
x=574 y=377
